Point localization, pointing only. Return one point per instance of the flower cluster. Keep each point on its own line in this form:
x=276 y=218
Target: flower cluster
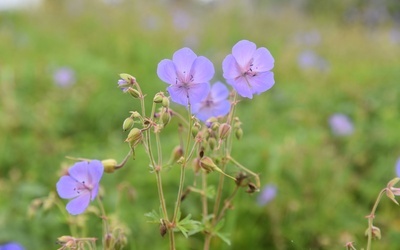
x=247 y=70
x=210 y=127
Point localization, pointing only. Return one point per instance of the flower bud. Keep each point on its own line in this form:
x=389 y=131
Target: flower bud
x=196 y=165
x=158 y=98
x=109 y=165
x=212 y=143
x=166 y=118
x=177 y=153
x=128 y=78
x=195 y=129
x=224 y=130
x=134 y=136
x=134 y=93
x=135 y=114
x=239 y=133
x=128 y=123
x=207 y=164
x=165 y=102
x=109 y=240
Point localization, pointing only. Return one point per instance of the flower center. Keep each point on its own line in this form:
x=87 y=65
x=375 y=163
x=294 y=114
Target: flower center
x=82 y=186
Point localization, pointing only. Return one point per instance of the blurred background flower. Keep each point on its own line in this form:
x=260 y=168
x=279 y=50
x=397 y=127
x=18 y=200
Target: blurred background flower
x=267 y=194
x=64 y=77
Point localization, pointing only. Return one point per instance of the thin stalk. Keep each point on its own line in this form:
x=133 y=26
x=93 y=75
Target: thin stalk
x=372 y=216
x=227 y=204
x=183 y=167
x=245 y=169
x=104 y=219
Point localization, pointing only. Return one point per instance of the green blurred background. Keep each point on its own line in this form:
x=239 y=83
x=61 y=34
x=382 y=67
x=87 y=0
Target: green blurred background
x=330 y=57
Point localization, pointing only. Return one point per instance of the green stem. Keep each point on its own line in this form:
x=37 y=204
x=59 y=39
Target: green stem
x=371 y=218
x=104 y=218
x=256 y=177
x=183 y=167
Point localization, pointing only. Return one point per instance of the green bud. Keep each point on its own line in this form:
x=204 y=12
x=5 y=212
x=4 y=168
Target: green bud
x=195 y=130
x=224 y=130
x=135 y=114
x=239 y=133
x=109 y=165
x=207 y=164
x=128 y=123
x=134 y=93
x=128 y=78
x=177 y=153
x=134 y=136
x=215 y=126
x=165 y=102
x=158 y=98
x=166 y=118
x=212 y=142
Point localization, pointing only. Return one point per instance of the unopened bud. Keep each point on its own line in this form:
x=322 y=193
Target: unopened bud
x=195 y=129
x=215 y=126
x=165 y=102
x=134 y=93
x=128 y=78
x=134 y=136
x=109 y=165
x=177 y=153
x=224 y=130
x=196 y=165
x=239 y=133
x=109 y=240
x=207 y=164
x=158 y=98
x=212 y=143
x=128 y=123
x=135 y=114
x=166 y=118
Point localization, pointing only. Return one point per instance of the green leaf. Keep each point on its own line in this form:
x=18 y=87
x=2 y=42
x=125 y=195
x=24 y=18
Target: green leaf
x=224 y=237
x=188 y=227
x=154 y=216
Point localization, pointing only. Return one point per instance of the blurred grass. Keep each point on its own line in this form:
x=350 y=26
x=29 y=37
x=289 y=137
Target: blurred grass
x=326 y=185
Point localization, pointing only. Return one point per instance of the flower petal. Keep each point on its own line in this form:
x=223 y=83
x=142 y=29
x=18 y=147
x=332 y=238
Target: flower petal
x=243 y=52
x=178 y=94
x=183 y=60
x=197 y=92
x=242 y=87
x=262 y=82
x=202 y=70
x=79 y=204
x=221 y=108
x=230 y=68
x=65 y=187
x=166 y=71
x=79 y=171
x=262 y=60
x=219 y=92
x=96 y=170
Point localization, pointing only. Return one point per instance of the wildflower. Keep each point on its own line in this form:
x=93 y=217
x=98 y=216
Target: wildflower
x=398 y=167
x=215 y=104
x=268 y=193
x=64 y=77
x=341 y=125
x=247 y=69
x=81 y=185
x=11 y=246
x=308 y=59
x=126 y=82
x=188 y=76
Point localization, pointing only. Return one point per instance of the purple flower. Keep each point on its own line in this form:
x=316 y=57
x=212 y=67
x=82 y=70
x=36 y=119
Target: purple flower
x=247 y=69
x=398 y=167
x=188 y=76
x=11 y=246
x=267 y=194
x=308 y=59
x=64 y=77
x=341 y=125
x=80 y=185
x=215 y=104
